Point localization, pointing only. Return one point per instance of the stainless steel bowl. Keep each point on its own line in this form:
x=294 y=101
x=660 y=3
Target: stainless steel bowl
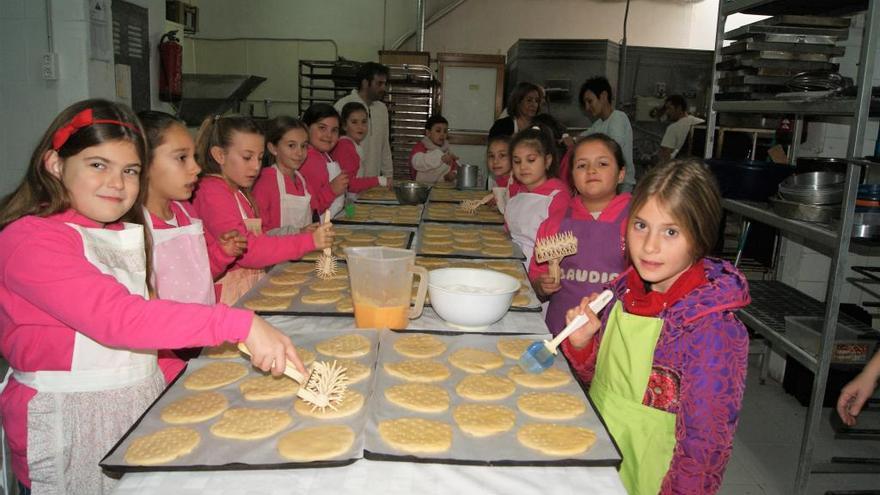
x=814 y=180
x=411 y=193
x=814 y=188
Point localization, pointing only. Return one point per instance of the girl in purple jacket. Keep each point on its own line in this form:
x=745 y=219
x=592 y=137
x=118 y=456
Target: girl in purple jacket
x=667 y=363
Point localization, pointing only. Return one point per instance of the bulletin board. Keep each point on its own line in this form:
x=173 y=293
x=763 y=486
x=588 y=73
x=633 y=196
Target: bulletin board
x=470 y=91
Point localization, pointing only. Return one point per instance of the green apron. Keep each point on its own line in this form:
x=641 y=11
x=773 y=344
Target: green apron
x=646 y=436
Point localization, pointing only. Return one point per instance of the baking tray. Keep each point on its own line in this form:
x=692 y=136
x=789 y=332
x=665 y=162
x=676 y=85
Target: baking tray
x=460 y=253
x=341 y=240
x=393 y=210
x=736 y=62
x=497 y=450
x=297 y=307
x=750 y=45
x=514 y=266
x=805 y=20
x=485 y=215
x=764 y=55
x=456 y=195
x=832 y=34
x=218 y=454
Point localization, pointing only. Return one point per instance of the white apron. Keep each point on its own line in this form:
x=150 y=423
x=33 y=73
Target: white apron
x=523 y=215
x=333 y=170
x=180 y=262
x=236 y=282
x=296 y=211
x=78 y=415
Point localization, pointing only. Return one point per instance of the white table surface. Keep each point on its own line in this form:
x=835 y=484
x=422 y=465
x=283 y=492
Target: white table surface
x=366 y=476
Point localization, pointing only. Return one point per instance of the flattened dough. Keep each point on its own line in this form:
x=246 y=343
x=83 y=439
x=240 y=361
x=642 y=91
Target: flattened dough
x=321 y=298
x=162 y=446
x=223 y=351
x=483 y=420
x=485 y=387
x=194 y=408
x=419 y=397
x=418 y=370
x=268 y=387
x=316 y=443
x=549 y=378
x=345 y=346
x=475 y=360
x=351 y=404
x=214 y=375
x=268 y=303
x=274 y=290
x=551 y=405
x=556 y=440
x=416 y=435
x=244 y=423
x=419 y=346
x=354 y=370
x=513 y=348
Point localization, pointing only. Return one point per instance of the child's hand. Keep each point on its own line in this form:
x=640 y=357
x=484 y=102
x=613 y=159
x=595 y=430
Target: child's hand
x=545 y=285
x=339 y=184
x=448 y=158
x=270 y=349
x=232 y=243
x=323 y=236
x=310 y=227
x=389 y=183
x=450 y=176
x=853 y=396
x=582 y=335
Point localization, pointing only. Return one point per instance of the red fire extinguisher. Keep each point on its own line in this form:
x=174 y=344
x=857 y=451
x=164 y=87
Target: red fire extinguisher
x=170 y=67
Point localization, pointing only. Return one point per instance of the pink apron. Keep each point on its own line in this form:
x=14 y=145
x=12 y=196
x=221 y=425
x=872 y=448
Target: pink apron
x=236 y=282
x=181 y=265
x=600 y=258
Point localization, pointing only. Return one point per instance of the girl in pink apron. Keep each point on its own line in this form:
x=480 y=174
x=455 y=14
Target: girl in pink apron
x=329 y=184
x=75 y=323
x=281 y=191
x=501 y=182
x=541 y=194
x=667 y=363
x=348 y=152
x=597 y=218
x=229 y=150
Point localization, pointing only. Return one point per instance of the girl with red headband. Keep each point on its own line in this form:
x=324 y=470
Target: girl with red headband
x=75 y=322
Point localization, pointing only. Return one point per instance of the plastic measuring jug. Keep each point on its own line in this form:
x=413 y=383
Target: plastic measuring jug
x=381 y=286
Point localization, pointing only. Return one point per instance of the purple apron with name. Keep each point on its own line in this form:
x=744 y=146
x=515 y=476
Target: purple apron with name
x=600 y=258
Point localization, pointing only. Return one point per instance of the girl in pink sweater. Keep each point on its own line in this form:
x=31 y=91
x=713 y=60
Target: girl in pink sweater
x=347 y=152
x=75 y=323
x=230 y=150
x=325 y=175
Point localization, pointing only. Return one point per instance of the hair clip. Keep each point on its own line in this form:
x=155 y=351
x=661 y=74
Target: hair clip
x=82 y=119
x=536 y=128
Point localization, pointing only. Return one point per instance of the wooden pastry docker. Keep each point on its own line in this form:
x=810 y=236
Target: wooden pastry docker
x=553 y=248
x=471 y=205
x=325 y=265
x=325 y=386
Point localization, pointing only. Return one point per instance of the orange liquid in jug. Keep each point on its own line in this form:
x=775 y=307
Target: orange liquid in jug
x=371 y=316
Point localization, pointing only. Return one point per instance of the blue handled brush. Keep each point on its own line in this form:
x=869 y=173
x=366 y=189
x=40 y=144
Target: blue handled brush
x=539 y=356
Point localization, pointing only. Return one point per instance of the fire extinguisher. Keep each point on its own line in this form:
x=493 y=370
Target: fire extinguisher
x=170 y=67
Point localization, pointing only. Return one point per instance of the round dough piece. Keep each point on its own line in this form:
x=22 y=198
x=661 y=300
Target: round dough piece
x=269 y=303
x=319 y=298
x=437 y=248
x=354 y=370
x=513 y=348
x=194 y=408
x=556 y=440
x=268 y=387
x=416 y=435
x=243 y=423
x=467 y=236
x=288 y=278
x=419 y=397
x=351 y=345
x=431 y=263
x=497 y=251
x=345 y=305
x=302 y=268
x=438 y=241
x=223 y=351
x=350 y=404
x=466 y=246
x=329 y=285
x=162 y=446
x=398 y=235
x=551 y=405
x=475 y=360
x=306 y=356
x=549 y=378
x=485 y=387
x=520 y=300
x=214 y=375
x=419 y=346
x=317 y=443
x=418 y=370
x=360 y=237
x=483 y=420
x=494 y=234
x=280 y=290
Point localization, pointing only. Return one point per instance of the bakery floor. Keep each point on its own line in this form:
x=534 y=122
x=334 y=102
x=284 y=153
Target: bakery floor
x=768 y=440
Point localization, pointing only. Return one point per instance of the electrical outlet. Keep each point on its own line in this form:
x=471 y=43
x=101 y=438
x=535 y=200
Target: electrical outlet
x=49 y=66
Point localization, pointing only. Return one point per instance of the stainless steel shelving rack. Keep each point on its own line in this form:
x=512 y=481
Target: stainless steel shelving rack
x=833 y=240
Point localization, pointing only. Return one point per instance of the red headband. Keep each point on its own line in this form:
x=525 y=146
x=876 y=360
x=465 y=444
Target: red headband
x=84 y=118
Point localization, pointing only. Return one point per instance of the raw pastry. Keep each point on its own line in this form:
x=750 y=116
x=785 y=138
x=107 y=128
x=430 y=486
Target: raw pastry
x=419 y=397
x=399 y=235
x=268 y=387
x=520 y=300
x=416 y=435
x=305 y=355
x=360 y=237
x=162 y=446
x=330 y=285
x=551 y=405
x=354 y=370
x=485 y=387
x=345 y=305
x=316 y=443
x=419 y=346
x=482 y=420
x=556 y=440
x=418 y=370
x=497 y=251
x=194 y=408
x=345 y=346
x=475 y=360
x=280 y=290
x=303 y=268
x=222 y=351
x=351 y=404
x=269 y=303
x=289 y=278
x=214 y=375
x=513 y=348
x=437 y=248
x=321 y=298
x=244 y=423
x=549 y=378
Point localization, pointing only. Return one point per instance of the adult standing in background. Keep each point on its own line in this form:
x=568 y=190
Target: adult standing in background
x=676 y=134
x=522 y=106
x=597 y=98
x=372 y=79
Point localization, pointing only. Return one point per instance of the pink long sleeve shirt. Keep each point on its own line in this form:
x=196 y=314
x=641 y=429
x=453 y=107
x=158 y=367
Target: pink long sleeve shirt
x=268 y=197
x=345 y=152
x=314 y=169
x=49 y=291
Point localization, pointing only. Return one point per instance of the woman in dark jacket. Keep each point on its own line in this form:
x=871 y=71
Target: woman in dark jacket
x=522 y=106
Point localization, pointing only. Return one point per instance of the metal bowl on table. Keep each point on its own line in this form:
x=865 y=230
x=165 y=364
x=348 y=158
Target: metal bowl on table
x=410 y=192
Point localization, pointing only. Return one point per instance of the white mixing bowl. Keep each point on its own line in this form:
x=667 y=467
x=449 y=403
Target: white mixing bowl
x=471 y=298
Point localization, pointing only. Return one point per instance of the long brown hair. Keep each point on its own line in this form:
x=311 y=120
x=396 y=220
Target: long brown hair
x=219 y=131
x=42 y=194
